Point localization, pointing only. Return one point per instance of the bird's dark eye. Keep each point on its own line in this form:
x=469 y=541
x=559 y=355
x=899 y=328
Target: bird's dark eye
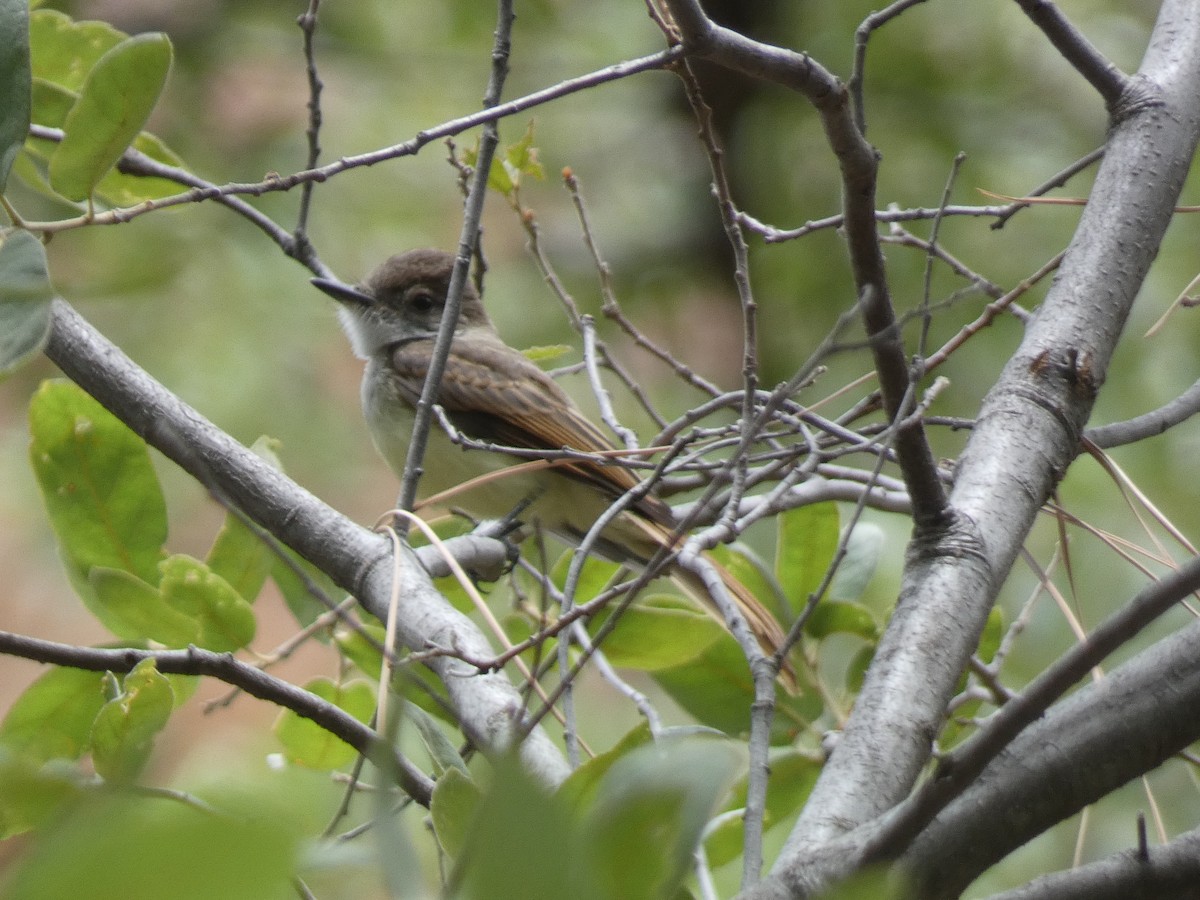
x=422 y=299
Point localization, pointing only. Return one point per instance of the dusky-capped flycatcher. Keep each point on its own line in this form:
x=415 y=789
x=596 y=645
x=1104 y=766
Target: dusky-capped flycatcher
x=492 y=393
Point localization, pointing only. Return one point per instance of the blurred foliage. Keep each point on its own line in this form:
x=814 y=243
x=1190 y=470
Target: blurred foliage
x=210 y=307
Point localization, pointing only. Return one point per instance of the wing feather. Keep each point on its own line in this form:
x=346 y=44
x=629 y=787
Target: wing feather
x=492 y=393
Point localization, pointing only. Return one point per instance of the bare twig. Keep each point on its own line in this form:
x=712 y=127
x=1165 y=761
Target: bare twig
x=308 y=25
x=223 y=667
x=468 y=241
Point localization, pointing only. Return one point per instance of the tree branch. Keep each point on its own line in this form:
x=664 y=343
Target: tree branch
x=1169 y=872
x=1093 y=742
x=1148 y=424
x=1023 y=441
x=859 y=164
x=254 y=681
x=1106 y=78
x=488 y=707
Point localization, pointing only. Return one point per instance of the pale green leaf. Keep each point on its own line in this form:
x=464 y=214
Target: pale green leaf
x=791 y=775
x=117 y=98
x=307 y=743
x=804 y=546
x=579 y=790
x=32 y=793
x=135 y=610
x=63 y=51
x=452 y=808
x=124 y=730
x=638 y=838
x=226 y=621
x=863 y=549
x=99 y=487
x=440 y=748
x=53 y=718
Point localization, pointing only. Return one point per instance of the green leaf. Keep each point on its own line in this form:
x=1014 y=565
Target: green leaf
x=118 y=844
x=241 y=558
x=806 y=541
x=136 y=611
x=441 y=750
x=521 y=158
x=117 y=98
x=510 y=165
x=32 y=793
x=307 y=743
x=354 y=645
x=15 y=82
x=225 y=621
x=790 y=779
x=744 y=565
x=25 y=295
x=124 y=730
x=520 y=842
x=99 y=487
x=63 y=51
x=594 y=577
x=717 y=691
x=993 y=633
x=53 y=718
x=581 y=786
x=638 y=838
x=856 y=671
x=119 y=189
x=501 y=179
x=841 y=617
x=547 y=353
x=863 y=549
x=657 y=634
x=51 y=105
x=452 y=808
x=296 y=594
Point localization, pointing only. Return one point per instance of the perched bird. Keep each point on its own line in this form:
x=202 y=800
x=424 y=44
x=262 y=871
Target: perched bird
x=492 y=393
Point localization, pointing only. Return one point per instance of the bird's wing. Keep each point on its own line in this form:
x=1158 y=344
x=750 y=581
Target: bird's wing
x=492 y=393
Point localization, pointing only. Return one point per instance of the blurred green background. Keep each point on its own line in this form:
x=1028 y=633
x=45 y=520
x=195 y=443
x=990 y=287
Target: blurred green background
x=211 y=308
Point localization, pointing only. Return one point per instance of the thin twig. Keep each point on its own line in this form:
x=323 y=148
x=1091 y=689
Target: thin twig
x=308 y=24
x=468 y=241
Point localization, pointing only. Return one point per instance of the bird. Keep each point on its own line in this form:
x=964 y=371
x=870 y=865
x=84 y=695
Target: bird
x=493 y=394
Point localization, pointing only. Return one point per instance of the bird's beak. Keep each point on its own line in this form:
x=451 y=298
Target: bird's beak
x=343 y=293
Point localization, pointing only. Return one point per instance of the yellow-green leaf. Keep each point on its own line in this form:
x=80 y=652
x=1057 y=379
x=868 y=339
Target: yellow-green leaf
x=307 y=743
x=806 y=541
x=114 y=104
x=657 y=634
x=135 y=610
x=124 y=730
x=226 y=621
x=53 y=718
x=99 y=487
x=63 y=51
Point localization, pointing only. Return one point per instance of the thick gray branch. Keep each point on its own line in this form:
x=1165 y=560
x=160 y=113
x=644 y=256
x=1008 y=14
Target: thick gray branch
x=1093 y=742
x=1169 y=872
x=1027 y=434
